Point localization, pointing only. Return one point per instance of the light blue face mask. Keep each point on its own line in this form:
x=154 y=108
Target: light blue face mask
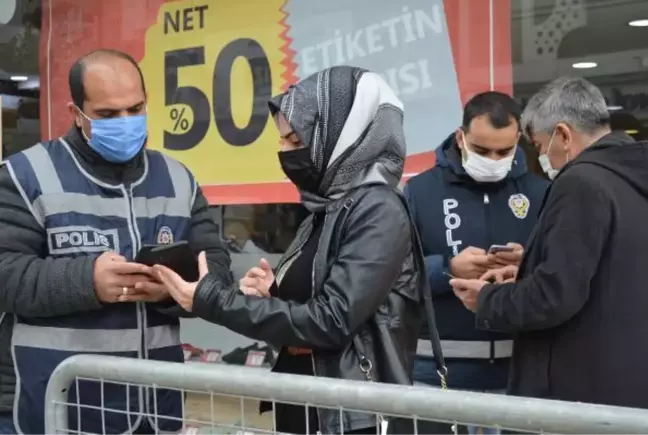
x=117 y=140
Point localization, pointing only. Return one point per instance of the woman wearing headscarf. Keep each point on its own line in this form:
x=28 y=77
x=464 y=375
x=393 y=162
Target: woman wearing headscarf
x=345 y=300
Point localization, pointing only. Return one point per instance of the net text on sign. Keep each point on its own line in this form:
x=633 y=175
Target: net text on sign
x=218 y=76
x=182 y=137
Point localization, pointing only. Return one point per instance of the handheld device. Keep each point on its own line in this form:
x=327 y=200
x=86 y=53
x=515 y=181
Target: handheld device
x=449 y=275
x=494 y=249
x=144 y=250
x=177 y=256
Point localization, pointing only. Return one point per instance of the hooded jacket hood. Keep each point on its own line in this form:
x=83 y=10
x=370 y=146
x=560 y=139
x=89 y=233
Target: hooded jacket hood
x=620 y=154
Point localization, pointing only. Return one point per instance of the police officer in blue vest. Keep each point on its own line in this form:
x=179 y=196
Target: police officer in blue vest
x=479 y=194
x=74 y=212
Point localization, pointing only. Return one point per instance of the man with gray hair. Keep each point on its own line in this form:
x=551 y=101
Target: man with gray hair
x=578 y=302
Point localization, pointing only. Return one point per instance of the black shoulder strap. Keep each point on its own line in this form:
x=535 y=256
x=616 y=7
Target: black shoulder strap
x=426 y=290
x=424 y=284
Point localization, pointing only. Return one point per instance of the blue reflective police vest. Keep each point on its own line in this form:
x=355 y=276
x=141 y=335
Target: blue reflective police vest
x=82 y=215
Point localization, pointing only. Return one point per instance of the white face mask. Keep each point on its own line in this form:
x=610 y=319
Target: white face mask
x=485 y=170
x=545 y=163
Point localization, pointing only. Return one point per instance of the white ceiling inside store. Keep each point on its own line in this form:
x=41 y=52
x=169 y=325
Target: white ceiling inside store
x=549 y=36
x=604 y=26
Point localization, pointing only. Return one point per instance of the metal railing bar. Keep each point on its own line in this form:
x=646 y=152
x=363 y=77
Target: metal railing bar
x=426 y=403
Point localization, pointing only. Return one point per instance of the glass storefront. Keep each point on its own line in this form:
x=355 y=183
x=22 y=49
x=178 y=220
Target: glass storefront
x=210 y=67
x=20 y=24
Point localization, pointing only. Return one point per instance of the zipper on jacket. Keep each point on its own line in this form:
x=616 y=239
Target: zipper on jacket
x=312 y=355
x=319 y=417
x=488 y=232
x=135 y=237
x=283 y=268
x=346 y=206
x=489 y=241
x=136 y=242
x=313 y=293
x=285 y=264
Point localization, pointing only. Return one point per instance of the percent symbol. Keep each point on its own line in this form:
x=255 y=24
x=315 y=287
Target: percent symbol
x=179 y=118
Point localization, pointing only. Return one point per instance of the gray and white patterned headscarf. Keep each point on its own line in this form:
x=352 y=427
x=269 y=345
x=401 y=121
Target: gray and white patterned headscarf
x=352 y=122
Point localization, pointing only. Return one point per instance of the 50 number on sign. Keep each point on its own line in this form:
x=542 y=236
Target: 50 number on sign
x=185 y=135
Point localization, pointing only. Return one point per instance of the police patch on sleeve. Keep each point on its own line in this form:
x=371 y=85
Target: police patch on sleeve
x=164 y=236
x=519 y=205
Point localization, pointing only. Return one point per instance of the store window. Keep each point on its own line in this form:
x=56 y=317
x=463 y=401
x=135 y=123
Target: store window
x=259 y=229
x=210 y=67
x=605 y=41
x=20 y=31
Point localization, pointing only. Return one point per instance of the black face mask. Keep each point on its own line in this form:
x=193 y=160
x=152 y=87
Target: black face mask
x=299 y=168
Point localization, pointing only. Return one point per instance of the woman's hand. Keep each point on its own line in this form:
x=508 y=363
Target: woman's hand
x=258 y=280
x=179 y=289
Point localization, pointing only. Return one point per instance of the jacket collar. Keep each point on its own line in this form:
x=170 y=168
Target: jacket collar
x=97 y=166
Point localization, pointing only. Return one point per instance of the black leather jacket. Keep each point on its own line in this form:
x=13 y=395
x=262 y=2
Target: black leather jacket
x=367 y=295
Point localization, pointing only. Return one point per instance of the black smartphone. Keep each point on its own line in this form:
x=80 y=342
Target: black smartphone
x=494 y=249
x=177 y=256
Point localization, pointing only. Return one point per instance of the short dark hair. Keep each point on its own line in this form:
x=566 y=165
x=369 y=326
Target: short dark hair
x=498 y=106
x=77 y=71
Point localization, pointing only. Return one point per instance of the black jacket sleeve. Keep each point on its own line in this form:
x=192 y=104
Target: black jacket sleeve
x=204 y=235
x=574 y=228
x=375 y=243
x=34 y=285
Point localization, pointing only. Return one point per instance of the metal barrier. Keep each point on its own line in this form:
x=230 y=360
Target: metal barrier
x=211 y=381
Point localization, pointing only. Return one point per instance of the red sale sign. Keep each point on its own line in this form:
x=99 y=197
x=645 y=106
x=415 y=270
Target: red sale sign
x=211 y=66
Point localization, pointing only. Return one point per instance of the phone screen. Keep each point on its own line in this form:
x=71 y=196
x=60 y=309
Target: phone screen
x=177 y=257
x=494 y=249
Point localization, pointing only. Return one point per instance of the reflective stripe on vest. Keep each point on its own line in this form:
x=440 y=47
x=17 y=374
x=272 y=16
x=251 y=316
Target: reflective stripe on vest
x=469 y=349
x=94 y=340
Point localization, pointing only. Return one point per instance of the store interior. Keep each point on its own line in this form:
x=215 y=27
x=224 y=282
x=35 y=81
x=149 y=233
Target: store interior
x=605 y=41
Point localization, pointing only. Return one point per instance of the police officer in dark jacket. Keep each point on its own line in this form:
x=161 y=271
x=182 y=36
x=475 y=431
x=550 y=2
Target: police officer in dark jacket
x=479 y=194
x=73 y=213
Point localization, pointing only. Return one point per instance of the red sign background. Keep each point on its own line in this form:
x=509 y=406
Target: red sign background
x=72 y=28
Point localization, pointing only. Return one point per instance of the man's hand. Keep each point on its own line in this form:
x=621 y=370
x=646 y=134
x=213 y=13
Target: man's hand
x=114 y=276
x=147 y=291
x=467 y=291
x=502 y=275
x=258 y=280
x=512 y=258
x=471 y=263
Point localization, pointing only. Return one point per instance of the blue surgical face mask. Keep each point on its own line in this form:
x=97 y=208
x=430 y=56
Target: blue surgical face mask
x=117 y=140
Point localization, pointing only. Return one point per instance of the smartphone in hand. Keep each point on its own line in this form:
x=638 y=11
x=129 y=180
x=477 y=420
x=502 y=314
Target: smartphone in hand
x=176 y=256
x=494 y=249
